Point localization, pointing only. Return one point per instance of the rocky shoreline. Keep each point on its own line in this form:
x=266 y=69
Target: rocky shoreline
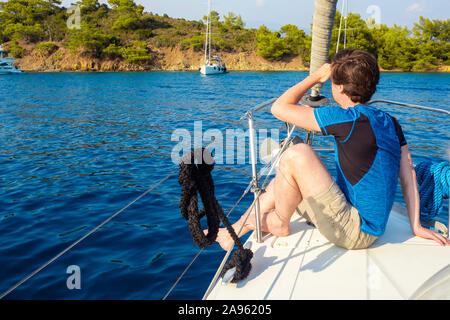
x=163 y=59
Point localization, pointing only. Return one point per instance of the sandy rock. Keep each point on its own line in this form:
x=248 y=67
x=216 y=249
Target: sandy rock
x=171 y=59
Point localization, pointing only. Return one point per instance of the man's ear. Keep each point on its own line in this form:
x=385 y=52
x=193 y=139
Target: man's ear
x=340 y=88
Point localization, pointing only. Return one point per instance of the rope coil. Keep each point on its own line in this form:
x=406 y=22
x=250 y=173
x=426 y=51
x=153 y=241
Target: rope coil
x=195 y=177
x=434 y=181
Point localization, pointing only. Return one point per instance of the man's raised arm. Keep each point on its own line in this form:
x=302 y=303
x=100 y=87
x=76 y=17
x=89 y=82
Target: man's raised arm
x=286 y=108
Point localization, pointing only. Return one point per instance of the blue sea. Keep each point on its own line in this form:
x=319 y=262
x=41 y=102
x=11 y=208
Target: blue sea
x=78 y=147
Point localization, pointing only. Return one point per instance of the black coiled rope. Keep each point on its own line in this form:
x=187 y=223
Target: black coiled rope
x=195 y=178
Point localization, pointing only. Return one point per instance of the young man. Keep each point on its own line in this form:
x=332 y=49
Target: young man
x=371 y=155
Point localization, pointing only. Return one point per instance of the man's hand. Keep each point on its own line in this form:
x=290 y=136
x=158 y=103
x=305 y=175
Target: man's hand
x=323 y=74
x=431 y=235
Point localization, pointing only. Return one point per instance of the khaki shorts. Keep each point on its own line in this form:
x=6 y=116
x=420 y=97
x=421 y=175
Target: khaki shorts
x=336 y=219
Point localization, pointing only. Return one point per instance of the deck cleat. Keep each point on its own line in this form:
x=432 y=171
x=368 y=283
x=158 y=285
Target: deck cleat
x=314 y=101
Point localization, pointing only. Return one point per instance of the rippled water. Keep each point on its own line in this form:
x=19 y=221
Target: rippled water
x=76 y=148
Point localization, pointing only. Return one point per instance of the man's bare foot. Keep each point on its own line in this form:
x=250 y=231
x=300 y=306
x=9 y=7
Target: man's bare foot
x=271 y=223
x=223 y=238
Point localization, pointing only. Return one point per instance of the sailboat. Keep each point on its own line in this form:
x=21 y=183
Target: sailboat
x=213 y=64
x=7 y=63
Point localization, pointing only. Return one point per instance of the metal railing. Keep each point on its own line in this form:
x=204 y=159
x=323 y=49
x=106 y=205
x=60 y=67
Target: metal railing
x=413 y=106
x=256 y=190
x=253 y=157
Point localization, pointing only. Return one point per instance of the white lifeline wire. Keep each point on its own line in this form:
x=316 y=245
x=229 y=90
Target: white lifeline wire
x=82 y=238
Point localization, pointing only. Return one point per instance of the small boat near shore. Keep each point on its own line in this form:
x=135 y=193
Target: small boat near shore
x=213 y=64
x=7 y=63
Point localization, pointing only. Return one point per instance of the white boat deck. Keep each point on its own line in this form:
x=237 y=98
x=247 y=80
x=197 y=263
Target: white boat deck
x=305 y=266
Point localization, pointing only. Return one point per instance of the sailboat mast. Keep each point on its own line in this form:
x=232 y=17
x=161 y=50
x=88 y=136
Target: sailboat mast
x=208 y=17
x=210 y=33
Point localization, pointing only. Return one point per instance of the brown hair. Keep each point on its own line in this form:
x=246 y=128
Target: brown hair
x=358 y=71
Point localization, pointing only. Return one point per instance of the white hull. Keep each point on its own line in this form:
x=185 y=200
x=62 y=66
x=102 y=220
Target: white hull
x=7 y=64
x=212 y=69
x=212 y=64
x=10 y=71
x=305 y=266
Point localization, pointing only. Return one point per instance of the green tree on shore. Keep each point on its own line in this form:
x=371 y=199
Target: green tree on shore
x=233 y=21
x=297 y=41
x=120 y=28
x=30 y=20
x=215 y=18
x=432 y=42
x=271 y=45
x=90 y=37
x=358 y=36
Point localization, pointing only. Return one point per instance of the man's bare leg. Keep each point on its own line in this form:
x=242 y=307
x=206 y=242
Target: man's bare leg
x=266 y=202
x=301 y=174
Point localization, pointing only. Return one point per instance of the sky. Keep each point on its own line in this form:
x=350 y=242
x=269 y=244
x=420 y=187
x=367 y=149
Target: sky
x=276 y=13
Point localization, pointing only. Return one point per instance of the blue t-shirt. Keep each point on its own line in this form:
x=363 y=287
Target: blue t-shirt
x=367 y=153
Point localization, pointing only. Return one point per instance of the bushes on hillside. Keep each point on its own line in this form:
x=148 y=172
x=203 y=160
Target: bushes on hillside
x=136 y=53
x=15 y=49
x=270 y=45
x=47 y=47
x=122 y=28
